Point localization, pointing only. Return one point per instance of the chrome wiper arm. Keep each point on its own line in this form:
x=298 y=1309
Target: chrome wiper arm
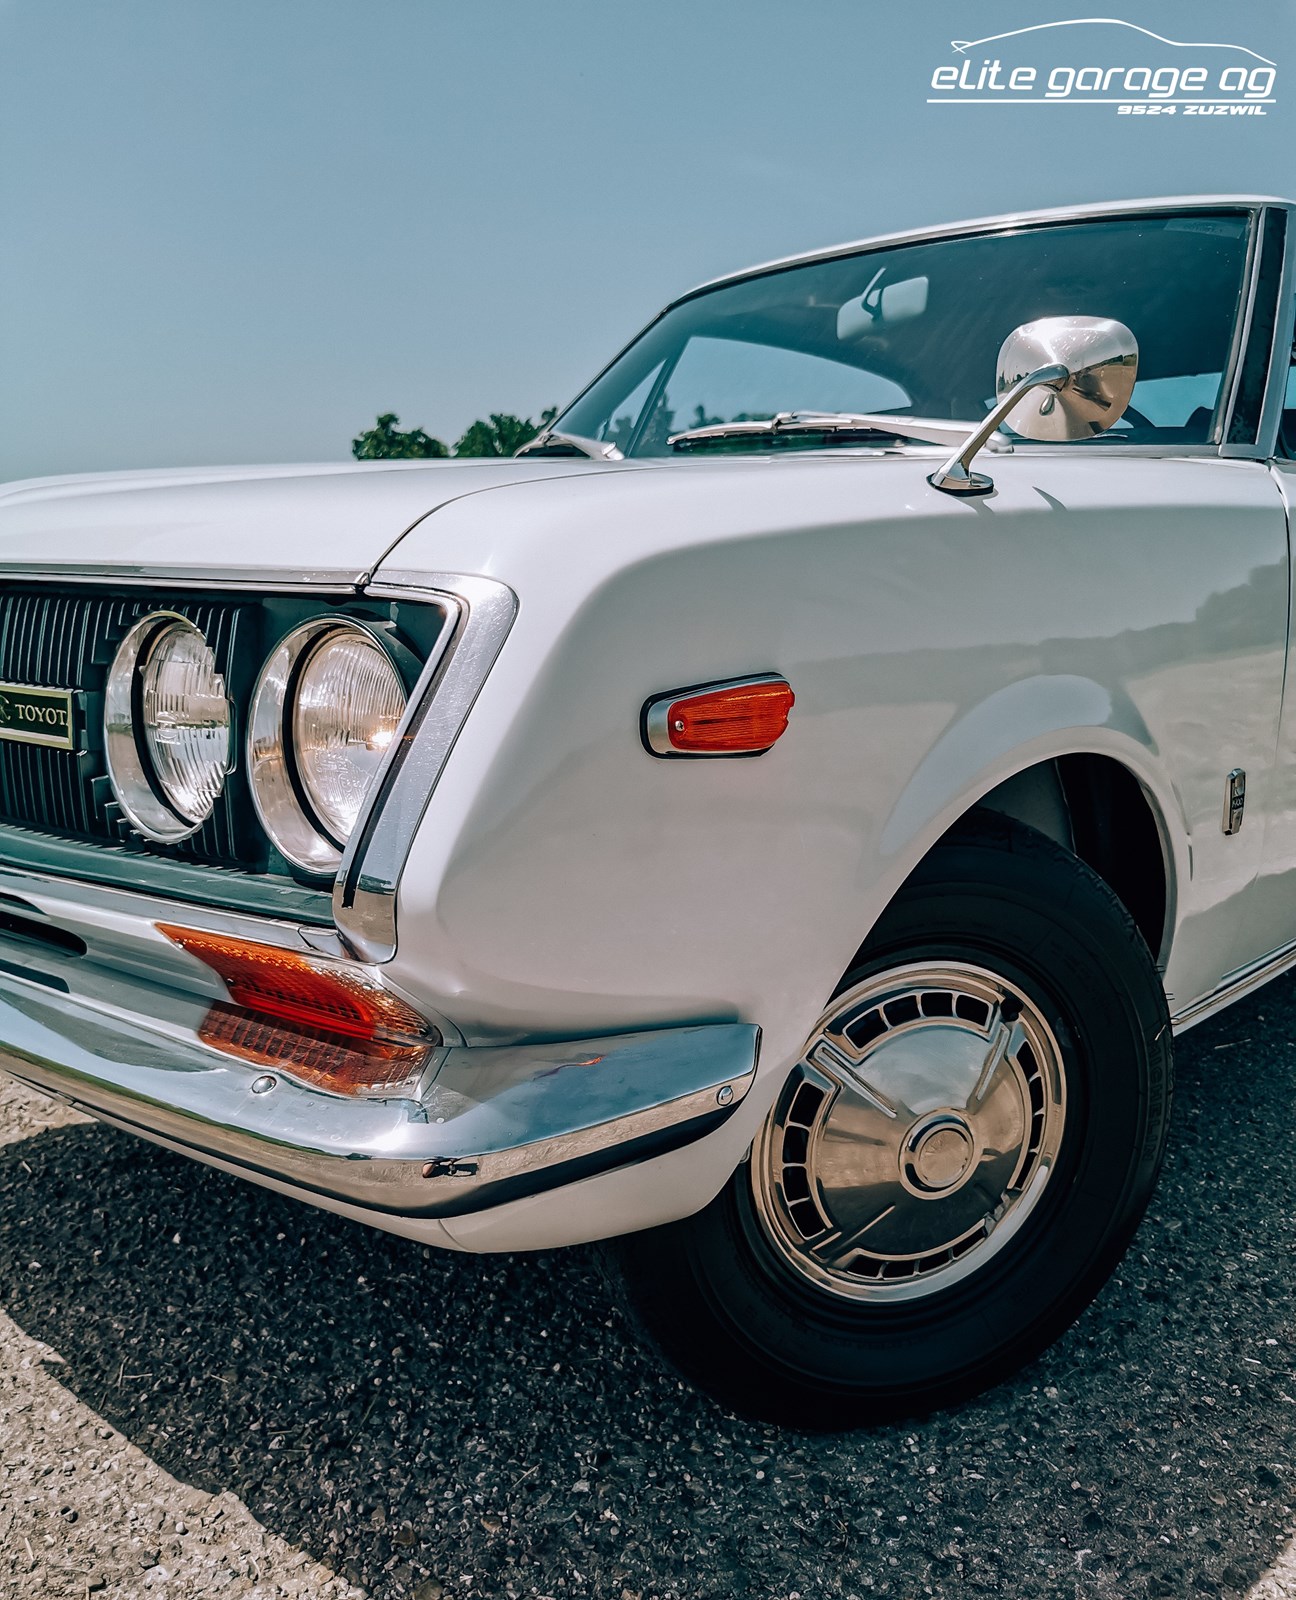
x=825 y=424
x=553 y=443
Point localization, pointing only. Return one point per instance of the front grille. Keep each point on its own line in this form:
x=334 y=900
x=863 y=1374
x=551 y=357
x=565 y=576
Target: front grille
x=66 y=639
x=58 y=813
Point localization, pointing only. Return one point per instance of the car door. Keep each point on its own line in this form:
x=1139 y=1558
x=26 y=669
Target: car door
x=1273 y=899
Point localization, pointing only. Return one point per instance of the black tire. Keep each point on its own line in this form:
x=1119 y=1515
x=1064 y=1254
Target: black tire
x=720 y=1299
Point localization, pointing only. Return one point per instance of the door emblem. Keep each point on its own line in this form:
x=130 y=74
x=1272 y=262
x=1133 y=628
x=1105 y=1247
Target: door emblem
x=1234 y=800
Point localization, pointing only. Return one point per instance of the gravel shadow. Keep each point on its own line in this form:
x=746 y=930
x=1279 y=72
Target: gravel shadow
x=423 y=1421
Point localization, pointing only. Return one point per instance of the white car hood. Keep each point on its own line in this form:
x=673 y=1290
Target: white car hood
x=319 y=522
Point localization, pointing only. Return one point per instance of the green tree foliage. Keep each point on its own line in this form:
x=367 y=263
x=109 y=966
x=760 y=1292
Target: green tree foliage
x=503 y=435
x=385 y=442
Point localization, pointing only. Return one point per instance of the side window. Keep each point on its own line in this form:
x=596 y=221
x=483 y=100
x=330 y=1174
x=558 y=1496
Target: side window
x=1181 y=405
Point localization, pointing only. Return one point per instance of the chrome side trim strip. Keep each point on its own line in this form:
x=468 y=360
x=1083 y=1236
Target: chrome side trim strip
x=1283 y=338
x=994 y=224
x=1232 y=379
x=364 y=897
x=485 y=1126
x=1235 y=987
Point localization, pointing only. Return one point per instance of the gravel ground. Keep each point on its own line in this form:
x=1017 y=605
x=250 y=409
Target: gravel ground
x=206 y=1389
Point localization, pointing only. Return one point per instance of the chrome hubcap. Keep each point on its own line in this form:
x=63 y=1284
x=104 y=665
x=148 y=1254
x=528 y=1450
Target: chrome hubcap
x=915 y=1136
x=939 y=1153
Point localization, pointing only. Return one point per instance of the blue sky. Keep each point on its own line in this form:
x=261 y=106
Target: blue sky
x=237 y=229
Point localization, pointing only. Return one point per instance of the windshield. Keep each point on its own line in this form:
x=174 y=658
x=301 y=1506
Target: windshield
x=915 y=330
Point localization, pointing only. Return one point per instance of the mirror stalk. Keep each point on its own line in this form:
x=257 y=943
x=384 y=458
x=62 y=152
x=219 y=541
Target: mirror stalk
x=956 y=476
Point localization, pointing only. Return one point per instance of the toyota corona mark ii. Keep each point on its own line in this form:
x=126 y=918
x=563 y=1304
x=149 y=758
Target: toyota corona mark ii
x=775 y=824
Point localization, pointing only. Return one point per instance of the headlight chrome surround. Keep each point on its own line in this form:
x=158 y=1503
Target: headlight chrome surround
x=293 y=817
x=155 y=807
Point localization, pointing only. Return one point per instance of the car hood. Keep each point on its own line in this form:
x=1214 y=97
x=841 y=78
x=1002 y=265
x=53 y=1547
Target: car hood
x=321 y=522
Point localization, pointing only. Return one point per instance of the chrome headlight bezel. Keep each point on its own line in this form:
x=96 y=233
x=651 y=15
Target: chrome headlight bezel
x=137 y=784
x=280 y=795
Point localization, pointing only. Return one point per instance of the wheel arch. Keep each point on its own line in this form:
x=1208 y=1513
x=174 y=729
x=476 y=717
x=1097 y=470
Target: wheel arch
x=1095 y=806
x=1074 y=759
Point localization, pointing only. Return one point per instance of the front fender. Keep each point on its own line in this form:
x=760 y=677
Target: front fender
x=564 y=881
x=1023 y=723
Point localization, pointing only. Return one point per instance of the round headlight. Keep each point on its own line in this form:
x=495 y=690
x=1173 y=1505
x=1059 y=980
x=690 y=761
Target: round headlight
x=325 y=712
x=166 y=727
x=348 y=704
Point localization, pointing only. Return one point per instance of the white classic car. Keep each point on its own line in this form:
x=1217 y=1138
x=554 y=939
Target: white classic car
x=775 y=824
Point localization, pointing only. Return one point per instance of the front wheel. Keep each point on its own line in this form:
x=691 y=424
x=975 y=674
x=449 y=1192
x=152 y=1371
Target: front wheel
x=953 y=1168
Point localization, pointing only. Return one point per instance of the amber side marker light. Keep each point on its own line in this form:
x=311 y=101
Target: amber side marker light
x=314 y=1019
x=739 y=717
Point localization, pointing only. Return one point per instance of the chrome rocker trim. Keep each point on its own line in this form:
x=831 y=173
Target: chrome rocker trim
x=483 y=1125
x=1246 y=980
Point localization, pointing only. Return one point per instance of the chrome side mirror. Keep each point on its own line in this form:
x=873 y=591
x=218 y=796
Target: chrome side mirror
x=1086 y=368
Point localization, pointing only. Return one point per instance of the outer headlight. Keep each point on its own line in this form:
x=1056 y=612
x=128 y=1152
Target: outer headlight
x=325 y=711
x=166 y=727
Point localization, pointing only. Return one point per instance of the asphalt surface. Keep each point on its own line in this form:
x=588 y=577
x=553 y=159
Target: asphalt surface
x=206 y=1389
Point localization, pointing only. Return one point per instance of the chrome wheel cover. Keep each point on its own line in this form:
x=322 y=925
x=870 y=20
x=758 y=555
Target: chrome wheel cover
x=916 y=1135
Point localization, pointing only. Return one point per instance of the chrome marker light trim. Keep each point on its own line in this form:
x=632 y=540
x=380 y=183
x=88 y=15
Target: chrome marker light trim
x=481 y=612
x=137 y=790
x=655 y=718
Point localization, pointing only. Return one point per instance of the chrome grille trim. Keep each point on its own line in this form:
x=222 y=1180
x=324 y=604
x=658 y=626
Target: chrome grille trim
x=364 y=897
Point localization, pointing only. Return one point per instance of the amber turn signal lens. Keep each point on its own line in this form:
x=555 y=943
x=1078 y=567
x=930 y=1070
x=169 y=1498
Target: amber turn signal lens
x=319 y=1019
x=741 y=718
x=331 y=1061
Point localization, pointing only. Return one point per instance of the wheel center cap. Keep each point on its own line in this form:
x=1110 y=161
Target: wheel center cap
x=938 y=1154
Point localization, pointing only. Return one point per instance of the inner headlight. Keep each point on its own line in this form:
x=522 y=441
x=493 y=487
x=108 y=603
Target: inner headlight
x=325 y=711
x=166 y=727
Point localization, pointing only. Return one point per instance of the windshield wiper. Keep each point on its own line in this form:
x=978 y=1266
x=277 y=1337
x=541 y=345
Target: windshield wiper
x=842 y=426
x=553 y=443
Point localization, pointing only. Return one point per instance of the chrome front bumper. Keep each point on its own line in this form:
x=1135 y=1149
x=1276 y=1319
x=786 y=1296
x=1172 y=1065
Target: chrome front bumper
x=98 y=1008
x=487 y=1125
